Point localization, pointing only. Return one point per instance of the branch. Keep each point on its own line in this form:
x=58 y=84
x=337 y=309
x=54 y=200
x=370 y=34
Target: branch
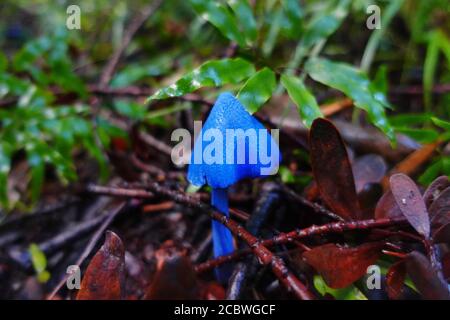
x=265 y=256
x=283 y=238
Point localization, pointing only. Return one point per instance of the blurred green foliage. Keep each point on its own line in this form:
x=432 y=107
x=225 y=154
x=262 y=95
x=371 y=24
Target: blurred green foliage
x=302 y=47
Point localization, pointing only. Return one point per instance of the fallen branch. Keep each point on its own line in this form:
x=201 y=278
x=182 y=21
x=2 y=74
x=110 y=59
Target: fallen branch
x=283 y=238
x=265 y=256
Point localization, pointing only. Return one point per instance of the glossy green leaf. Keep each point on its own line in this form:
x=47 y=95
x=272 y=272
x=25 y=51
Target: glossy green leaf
x=379 y=86
x=220 y=16
x=356 y=85
x=257 y=90
x=245 y=19
x=213 y=73
x=306 y=103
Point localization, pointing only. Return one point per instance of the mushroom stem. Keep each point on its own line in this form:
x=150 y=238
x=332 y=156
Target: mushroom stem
x=221 y=235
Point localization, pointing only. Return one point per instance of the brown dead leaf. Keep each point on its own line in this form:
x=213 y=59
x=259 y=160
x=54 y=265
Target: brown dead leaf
x=434 y=189
x=387 y=207
x=425 y=279
x=440 y=212
x=104 y=277
x=368 y=169
x=395 y=277
x=175 y=278
x=332 y=170
x=410 y=201
x=341 y=266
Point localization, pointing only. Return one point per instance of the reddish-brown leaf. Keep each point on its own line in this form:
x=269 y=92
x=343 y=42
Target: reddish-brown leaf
x=213 y=291
x=434 y=189
x=387 y=207
x=104 y=278
x=440 y=216
x=341 y=266
x=446 y=266
x=175 y=277
x=332 y=170
x=370 y=168
x=410 y=201
x=425 y=279
x=395 y=277
x=441 y=234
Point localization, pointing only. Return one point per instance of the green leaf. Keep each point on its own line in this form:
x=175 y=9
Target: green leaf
x=325 y=24
x=441 y=123
x=130 y=109
x=220 y=16
x=37 y=170
x=213 y=73
x=349 y=293
x=409 y=119
x=3 y=62
x=39 y=262
x=257 y=90
x=431 y=173
x=5 y=167
x=157 y=114
x=274 y=30
x=429 y=69
x=306 y=103
x=37 y=258
x=97 y=154
x=294 y=14
x=135 y=72
x=355 y=84
x=376 y=36
x=420 y=135
x=321 y=26
x=245 y=19
x=379 y=86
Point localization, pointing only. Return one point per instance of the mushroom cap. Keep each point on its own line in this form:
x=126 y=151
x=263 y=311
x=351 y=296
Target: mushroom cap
x=229 y=113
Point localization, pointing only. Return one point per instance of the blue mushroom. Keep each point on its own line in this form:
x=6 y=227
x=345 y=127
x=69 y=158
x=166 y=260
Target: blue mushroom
x=225 y=152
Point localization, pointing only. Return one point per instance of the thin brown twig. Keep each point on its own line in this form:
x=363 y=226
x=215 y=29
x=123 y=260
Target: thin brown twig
x=265 y=256
x=137 y=22
x=315 y=206
x=283 y=238
x=120 y=192
x=92 y=243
